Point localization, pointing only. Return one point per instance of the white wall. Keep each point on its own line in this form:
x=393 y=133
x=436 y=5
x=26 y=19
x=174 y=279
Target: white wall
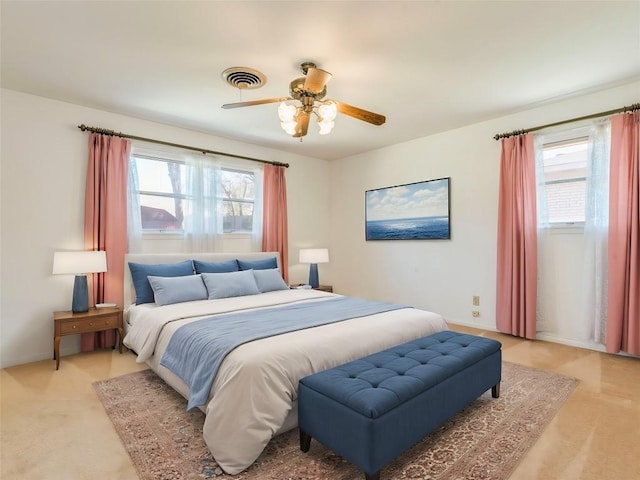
x=44 y=158
x=43 y=172
x=443 y=275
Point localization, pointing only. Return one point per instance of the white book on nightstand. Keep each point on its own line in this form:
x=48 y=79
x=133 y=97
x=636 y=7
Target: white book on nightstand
x=105 y=305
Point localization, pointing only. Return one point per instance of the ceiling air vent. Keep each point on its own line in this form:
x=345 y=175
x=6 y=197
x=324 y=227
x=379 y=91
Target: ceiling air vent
x=244 y=78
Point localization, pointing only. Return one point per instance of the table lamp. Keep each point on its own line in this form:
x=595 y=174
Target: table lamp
x=314 y=256
x=79 y=263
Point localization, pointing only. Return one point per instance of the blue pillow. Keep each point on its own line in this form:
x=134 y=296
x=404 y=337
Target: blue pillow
x=264 y=264
x=140 y=272
x=269 y=280
x=215 y=267
x=230 y=284
x=168 y=290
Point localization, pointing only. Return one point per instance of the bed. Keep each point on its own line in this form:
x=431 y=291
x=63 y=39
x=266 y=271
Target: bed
x=253 y=396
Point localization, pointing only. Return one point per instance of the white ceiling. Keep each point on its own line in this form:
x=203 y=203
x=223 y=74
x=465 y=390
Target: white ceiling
x=429 y=66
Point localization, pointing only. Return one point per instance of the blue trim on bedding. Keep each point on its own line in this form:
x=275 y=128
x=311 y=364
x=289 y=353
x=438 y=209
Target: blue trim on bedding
x=196 y=350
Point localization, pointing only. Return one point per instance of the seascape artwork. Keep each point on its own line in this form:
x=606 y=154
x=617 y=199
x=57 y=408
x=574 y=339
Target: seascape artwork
x=415 y=211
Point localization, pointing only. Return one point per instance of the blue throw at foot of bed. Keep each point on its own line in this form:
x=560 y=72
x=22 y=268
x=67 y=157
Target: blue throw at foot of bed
x=371 y=410
x=197 y=349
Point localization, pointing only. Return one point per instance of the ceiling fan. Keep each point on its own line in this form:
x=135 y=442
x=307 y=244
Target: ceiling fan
x=310 y=91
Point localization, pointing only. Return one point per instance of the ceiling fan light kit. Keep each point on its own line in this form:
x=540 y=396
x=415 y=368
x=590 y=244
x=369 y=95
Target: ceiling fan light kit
x=287 y=114
x=327 y=113
x=310 y=91
x=290 y=114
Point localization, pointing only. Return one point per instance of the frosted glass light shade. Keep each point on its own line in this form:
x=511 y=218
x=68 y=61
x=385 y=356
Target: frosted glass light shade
x=314 y=255
x=325 y=127
x=287 y=113
x=289 y=127
x=79 y=262
x=328 y=111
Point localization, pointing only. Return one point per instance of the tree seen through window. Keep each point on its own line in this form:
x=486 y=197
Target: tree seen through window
x=163 y=191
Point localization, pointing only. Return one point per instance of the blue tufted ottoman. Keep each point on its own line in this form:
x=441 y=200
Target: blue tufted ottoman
x=371 y=410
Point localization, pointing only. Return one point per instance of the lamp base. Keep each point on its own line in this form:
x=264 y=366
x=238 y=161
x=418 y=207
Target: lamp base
x=80 y=295
x=313 y=275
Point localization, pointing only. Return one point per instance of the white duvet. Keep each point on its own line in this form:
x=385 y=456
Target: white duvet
x=254 y=394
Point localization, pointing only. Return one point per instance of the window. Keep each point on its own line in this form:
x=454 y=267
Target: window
x=165 y=189
x=238 y=193
x=565 y=179
x=160 y=190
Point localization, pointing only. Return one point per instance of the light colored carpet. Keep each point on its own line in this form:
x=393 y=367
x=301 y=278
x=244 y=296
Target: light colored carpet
x=484 y=441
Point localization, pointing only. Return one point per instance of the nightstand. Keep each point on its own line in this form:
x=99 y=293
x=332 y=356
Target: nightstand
x=325 y=288
x=94 y=320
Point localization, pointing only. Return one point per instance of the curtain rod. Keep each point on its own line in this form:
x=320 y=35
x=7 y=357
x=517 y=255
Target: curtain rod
x=632 y=108
x=113 y=133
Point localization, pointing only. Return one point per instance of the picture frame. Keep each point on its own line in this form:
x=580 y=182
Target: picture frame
x=412 y=211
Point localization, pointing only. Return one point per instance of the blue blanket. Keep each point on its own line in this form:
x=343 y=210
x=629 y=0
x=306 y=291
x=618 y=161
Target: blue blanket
x=197 y=349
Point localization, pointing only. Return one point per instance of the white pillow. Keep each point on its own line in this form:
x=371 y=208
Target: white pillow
x=269 y=280
x=168 y=290
x=230 y=284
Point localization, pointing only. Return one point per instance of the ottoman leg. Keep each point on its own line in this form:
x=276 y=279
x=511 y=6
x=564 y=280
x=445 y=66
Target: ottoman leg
x=305 y=441
x=375 y=476
x=495 y=391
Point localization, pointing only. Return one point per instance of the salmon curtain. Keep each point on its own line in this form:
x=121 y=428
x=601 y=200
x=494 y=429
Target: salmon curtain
x=275 y=237
x=516 y=288
x=623 y=309
x=105 y=223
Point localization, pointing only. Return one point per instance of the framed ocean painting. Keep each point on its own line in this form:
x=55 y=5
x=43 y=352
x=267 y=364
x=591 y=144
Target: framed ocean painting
x=415 y=211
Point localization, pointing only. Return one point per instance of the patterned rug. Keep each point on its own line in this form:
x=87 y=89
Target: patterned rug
x=484 y=441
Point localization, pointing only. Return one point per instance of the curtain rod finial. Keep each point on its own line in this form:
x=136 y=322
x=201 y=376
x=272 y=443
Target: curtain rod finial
x=632 y=108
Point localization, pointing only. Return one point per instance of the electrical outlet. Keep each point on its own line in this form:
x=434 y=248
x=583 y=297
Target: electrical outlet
x=475 y=313
x=476 y=300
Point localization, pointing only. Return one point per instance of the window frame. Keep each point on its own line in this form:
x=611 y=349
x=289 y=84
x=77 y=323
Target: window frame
x=166 y=157
x=236 y=169
x=574 y=135
x=170 y=157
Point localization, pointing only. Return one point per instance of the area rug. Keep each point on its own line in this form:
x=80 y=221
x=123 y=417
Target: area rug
x=484 y=441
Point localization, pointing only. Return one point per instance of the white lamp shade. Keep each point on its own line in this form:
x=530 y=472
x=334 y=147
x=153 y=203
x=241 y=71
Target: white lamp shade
x=79 y=262
x=314 y=255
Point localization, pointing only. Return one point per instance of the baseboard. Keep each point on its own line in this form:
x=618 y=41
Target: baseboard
x=547 y=337
x=72 y=347
x=472 y=325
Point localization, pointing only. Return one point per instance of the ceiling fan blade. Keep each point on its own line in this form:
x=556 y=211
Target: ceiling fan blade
x=360 y=114
x=255 y=102
x=316 y=80
x=303 y=125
